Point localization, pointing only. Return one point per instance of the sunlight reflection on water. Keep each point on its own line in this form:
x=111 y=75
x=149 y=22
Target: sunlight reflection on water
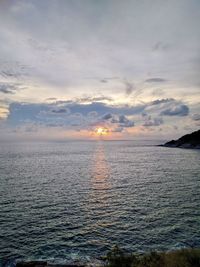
x=100 y=169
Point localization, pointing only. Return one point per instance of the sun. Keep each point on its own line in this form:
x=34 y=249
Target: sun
x=102 y=131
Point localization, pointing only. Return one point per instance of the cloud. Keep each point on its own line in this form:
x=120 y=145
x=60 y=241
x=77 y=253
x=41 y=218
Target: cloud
x=161 y=101
x=70 y=114
x=149 y=121
x=51 y=99
x=3 y=112
x=122 y=121
x=91 y=99
x=167 y=107
x=7 y=88
x=125 y=122
x=101 y=108
x=196 y=117
x=129 y=88
x=61 y=110
x=107 y=79
x=103 y=81
x=108 y=47
x=14 y=70
x=155 y=80
x=118 y=130
x=107 y=116
x=179 y=110
x=76 y=116
x=160 y=46
x=158 y=92
x=92 y=112
x=98 y=60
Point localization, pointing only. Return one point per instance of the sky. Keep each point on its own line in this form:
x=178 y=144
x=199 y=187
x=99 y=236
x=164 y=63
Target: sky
x=70 y=67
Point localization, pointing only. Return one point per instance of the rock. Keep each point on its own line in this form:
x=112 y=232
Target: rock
x=32 y=264
x=44 y=264
x=187 y=141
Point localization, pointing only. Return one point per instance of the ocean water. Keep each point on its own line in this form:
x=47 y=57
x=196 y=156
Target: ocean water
x=64 y=201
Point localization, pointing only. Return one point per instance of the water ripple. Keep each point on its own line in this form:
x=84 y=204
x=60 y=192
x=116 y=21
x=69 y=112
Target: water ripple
x=63 y=201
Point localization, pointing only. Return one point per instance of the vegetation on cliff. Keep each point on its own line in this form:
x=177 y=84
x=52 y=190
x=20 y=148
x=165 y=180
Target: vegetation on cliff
x=178 y=258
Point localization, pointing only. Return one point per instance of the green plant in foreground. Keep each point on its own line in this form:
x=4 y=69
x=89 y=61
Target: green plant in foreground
x=116 y=257
x=180 y=258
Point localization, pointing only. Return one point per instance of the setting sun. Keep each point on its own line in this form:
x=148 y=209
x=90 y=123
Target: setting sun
x=102 y=131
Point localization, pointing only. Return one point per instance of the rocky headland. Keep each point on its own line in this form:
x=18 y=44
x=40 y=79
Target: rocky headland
x=187 y=141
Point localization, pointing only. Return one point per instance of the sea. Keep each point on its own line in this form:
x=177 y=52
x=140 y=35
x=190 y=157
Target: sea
x=73 y=201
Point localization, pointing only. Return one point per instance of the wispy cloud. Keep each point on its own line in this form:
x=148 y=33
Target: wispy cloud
x=155 y=80
x=9 y=88
x=129 y=88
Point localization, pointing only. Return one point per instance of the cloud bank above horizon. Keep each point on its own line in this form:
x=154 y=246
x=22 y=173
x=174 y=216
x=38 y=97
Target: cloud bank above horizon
x=67 y=67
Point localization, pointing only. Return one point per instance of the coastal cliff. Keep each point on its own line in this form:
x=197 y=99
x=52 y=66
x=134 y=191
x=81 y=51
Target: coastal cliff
x=187 y=141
